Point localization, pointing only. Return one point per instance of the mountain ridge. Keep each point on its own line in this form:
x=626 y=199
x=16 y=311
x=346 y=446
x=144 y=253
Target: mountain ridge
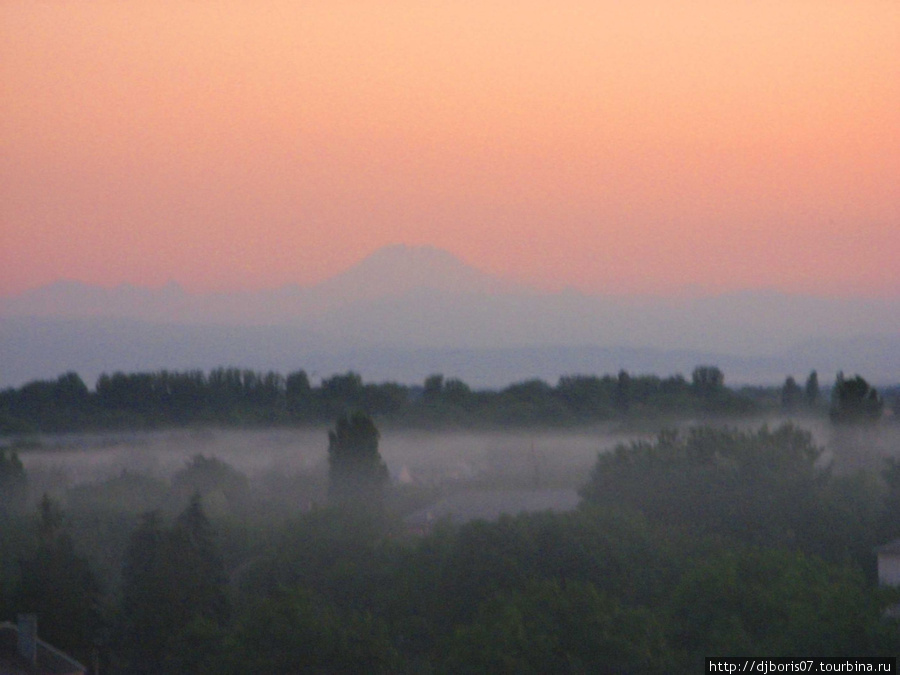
x=422 y=298
x=394 y=270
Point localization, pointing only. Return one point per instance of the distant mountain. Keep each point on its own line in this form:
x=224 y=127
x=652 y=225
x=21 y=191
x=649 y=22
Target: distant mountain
x=406 y=311
x=399 y=270
x=391 y=272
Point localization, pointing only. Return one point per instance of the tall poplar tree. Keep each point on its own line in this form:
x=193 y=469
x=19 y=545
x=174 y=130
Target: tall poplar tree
x=357 y=474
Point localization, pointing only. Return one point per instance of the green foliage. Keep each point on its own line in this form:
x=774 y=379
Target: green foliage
x=171 y=578
x=336 y=551
x=752 y=485
x=232 y=396
x=298 y=395
x=529 y=403
x=150 y=604
x=707 y=380
x=554 y=627
x=292 y=632
x=759 y=601
x=853 y=401
x=199 y=648
x=61 y=405
x=341 y=392
x=58 y=585
x=616 y=552
x=587 y=396
x=840 y=520
x=193 y=542
x=706 y=542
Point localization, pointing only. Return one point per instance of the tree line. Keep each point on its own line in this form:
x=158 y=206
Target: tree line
x=231 y=396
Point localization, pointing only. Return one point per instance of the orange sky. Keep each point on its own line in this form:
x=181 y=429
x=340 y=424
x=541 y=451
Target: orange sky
x=642 y=147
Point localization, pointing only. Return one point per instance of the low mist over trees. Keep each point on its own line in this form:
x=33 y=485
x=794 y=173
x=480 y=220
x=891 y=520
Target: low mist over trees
x=701 y=541
x=706 y=541
x=210 y=476
x=753 y=485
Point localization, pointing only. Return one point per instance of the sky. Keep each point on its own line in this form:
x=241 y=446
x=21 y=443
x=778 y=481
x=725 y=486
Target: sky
x=641 y=148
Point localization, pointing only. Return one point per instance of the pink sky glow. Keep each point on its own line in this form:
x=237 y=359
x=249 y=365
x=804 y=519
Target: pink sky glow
x=654 y=147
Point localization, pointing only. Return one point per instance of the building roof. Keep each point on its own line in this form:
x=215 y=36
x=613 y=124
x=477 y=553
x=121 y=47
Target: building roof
x=49 y=660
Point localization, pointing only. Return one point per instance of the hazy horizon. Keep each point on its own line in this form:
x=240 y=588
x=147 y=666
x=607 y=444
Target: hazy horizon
x=407 y=312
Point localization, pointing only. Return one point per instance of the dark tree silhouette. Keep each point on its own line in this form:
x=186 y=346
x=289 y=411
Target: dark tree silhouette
x=357 y=474
x=193 y=542
x=854 y=401
x=707 y=380
x=623 y=391
x=13 y=482
x=434 y=386
x=791 y=394
x=173 y=580
x=146 y=607
x=298 y=393
x=58 y=585
x=812 y=389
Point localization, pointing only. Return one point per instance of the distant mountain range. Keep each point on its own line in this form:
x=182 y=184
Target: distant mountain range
x=405 y=312
x=395 y=272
